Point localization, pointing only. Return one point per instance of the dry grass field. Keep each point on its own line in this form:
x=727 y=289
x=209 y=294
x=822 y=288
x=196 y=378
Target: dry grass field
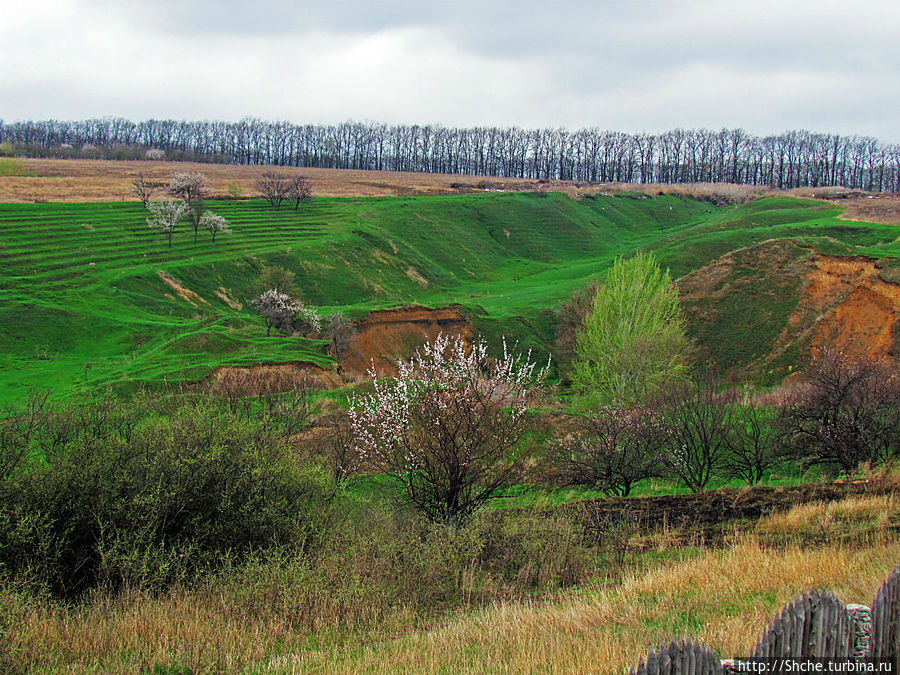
x=86 y=180
x=81 y=180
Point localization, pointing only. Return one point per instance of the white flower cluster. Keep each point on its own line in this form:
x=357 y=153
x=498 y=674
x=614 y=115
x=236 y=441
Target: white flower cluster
x=450 y=387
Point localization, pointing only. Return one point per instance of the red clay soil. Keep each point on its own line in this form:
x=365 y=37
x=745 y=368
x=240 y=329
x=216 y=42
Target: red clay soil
x=857 y=310
x=387 y=335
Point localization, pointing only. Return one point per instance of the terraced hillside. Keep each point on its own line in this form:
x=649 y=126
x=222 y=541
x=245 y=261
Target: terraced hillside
x=92 y=297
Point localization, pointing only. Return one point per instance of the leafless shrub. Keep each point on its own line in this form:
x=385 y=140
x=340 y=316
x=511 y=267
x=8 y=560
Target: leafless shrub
x=614 y=450
x=274 y=187
x=848 y=412
x=144 y=189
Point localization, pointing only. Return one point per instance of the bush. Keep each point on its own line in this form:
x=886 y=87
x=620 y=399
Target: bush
x=847 y=412
x=129 y=498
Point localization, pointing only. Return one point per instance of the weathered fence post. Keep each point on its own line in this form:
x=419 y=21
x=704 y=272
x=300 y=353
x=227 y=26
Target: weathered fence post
x=682 y=657
x=886 y=618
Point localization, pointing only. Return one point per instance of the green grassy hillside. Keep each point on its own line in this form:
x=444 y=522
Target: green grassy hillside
x=84 y=303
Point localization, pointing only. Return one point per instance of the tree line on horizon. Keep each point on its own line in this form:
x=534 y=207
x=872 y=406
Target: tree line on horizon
x=792 y=159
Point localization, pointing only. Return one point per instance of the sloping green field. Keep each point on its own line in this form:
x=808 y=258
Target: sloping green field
x=83 y=304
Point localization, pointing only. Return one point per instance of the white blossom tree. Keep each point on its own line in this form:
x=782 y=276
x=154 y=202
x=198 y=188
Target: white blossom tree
x=192 y=189
x=446 y=428
x=214 y=223
x=166 y=216
x=280 y=310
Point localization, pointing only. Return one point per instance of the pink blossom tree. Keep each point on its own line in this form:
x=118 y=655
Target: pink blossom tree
x=447 y=426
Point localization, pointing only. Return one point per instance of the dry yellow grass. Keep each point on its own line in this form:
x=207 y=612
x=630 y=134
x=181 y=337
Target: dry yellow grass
x=871 y=512
x=726 y=598
x=86 y=180
x=89 y=180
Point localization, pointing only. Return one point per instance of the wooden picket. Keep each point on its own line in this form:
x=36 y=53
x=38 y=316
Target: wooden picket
x=813 y=625
x=683 y=657
x=886 y=618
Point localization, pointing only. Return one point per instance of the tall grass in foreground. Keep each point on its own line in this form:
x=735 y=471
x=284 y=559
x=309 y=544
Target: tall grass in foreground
x=384 y=598
x=724 y=597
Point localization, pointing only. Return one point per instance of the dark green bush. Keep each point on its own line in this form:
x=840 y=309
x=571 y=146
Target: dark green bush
x=131 y=498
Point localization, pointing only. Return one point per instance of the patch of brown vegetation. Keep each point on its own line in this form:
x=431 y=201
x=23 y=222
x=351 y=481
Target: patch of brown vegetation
x=185 y=294
x=413 y=274
x=222 y=294
x=387 y=335
x=90 y=180
x=269 y=378
x=869 y=207
x=96 y=180
x=707 y=514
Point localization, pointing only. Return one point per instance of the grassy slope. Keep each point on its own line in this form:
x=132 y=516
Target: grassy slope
x=82 y=302
x=83 y=305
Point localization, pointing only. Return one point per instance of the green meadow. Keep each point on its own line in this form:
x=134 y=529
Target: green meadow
x=83 y=302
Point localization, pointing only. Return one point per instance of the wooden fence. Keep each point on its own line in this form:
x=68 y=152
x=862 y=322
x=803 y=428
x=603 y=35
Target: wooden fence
x=813 y=625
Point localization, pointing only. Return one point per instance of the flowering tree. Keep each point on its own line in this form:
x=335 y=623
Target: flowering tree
x=192 y=189
x=165 y=216
x=189 y=187
x=214 y=223
x=280 y=310
x=446 y=427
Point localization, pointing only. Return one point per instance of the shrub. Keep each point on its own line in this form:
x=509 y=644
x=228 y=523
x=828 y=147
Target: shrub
x=128 y=498
x=847 y=412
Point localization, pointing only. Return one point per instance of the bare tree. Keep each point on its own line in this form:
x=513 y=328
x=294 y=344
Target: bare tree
x=214 y=223
x=144 y=189
x=613 y=450
x=698 y=421
x=274 y=187
x=847 y=412
x=754 y=443
x=446 y=427
x=300 y=190
x=166 y=216
x=341 y=331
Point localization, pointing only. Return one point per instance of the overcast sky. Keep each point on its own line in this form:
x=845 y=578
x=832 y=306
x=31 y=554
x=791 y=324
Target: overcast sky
x=766 y=66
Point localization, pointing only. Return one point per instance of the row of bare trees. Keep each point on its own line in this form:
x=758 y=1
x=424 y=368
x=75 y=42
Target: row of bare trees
x=844 y=414
x=791 y=159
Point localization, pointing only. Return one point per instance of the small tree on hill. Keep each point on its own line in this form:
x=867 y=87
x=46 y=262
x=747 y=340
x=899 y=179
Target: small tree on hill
x=166 y=216
x=144 y=189
x=189 y=187
x=274 y=187
x=446 y=427
x=277 y=309
x=281 y=311
x=633 y=340
x=300 y=190
x=192 y=189
x=276 y=276
x=214 y=224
